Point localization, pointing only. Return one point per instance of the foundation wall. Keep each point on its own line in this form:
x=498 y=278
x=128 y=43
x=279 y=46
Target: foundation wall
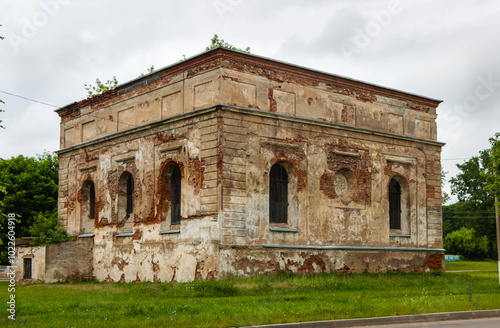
x=257 y=260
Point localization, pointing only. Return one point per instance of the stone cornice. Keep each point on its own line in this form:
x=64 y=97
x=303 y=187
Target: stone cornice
x=243 y=110
x=192 y=66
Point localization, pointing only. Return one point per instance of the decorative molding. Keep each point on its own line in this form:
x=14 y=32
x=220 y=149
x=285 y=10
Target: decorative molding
x=85 y=235
x=125 y=234
x=344 y=153
x=399 y=235
x=400 y=160
x=170 y=232
x=280 y=229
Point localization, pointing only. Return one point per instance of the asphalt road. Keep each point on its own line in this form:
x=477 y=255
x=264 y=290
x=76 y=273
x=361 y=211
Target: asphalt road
x=471 y=323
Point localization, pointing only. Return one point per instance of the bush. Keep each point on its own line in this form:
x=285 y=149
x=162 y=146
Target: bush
x=46 y=230
x=466 y=243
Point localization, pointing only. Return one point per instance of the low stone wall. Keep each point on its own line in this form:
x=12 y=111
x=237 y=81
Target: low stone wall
x=69 y=261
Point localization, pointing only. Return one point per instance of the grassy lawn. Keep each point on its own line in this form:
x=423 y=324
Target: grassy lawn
x=250 y=301
x=471 y=265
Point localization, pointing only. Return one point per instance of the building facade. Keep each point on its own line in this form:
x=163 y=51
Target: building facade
x=230 y=163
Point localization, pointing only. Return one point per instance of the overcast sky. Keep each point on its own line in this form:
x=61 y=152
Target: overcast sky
x=446 y=50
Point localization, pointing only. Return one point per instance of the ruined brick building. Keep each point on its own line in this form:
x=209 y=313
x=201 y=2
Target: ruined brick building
x=233 y=163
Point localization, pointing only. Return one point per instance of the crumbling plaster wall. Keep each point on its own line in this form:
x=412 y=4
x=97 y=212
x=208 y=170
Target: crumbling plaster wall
x=152 y=250
x=316 y=153
x=323 y=132
x=245 y=261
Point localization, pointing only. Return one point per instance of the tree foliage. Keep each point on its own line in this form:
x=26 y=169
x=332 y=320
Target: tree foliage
x=475 y=208
x=467 y=243
x=1 y=101
x=46 y=229
x=99 y=87
x=150 y=70
x=493 y=178
x=469 y=185
x=30 y=186
x=216 y=42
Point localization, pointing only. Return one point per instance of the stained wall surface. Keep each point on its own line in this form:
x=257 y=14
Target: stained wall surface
x=224 y=118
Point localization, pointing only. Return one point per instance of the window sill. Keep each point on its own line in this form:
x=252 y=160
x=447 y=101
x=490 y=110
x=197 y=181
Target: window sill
x=280 y=229
x=125 y=234
x=170 y=232
x=86 y=235
x=399 y=235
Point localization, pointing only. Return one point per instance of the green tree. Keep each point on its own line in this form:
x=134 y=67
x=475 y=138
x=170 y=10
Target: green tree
x=493 y=185
x=469 y=184
x=467 y=243
x=29 y=187
x=100 y=88
x=46 y=229
x=216 y=42
x=1 y=101
x=475 y=208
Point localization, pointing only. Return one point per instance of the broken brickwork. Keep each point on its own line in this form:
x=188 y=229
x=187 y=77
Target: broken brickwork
x=224 y=118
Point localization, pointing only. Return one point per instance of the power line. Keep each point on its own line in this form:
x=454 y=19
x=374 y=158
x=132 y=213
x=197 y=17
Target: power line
x=43 y=103
x=29 y=99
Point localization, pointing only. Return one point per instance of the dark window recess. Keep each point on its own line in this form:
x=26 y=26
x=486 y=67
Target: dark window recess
x=27 y=268
x=175 y=181
x=92 y=202
x=394 y=204
x=278 y=194
x=130 y=195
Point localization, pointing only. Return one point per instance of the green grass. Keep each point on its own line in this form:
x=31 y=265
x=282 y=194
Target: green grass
x=471 y=265
x=250 y=301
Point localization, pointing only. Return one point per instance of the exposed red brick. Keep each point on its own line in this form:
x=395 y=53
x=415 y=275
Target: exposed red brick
x=272 y=103
x=120 y=263
x=434 y=262
x=348 y=113
x=173 y=276
x=430 y=192
x=419 y=108
x=363 y=96
x=137 y=279
x=308 y=265
x=137 y=235
x=327 y=186
x=345 y=269
x=293 y=156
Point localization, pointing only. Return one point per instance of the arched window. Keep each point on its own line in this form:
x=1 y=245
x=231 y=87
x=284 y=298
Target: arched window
x=87 y=207
x=125 y=197
x=171 y=190
x=130 y=196
x=92 y=201
x=394 y=204
x=278 y=194
x=175 y=182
